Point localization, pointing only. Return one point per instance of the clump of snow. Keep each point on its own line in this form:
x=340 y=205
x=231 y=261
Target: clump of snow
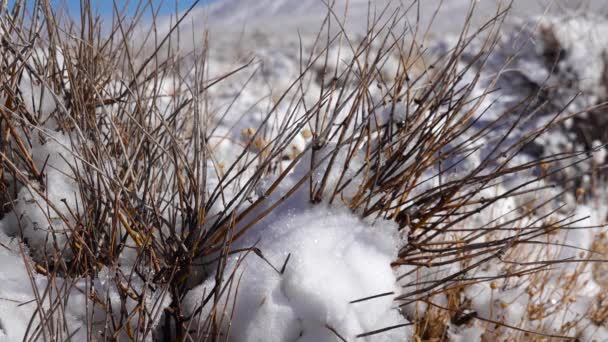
x=465 y=334
x=18 y=301
x=334 y=259
x=42 y=213
x=14 y=291
x=20 y=294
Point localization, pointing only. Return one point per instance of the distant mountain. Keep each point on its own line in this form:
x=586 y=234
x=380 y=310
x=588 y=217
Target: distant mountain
x=283 y=14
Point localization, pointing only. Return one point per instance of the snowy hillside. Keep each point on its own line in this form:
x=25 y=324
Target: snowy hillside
x=278 y=15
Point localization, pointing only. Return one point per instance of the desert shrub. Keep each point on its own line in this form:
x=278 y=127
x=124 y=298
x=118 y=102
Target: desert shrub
x=354 y=187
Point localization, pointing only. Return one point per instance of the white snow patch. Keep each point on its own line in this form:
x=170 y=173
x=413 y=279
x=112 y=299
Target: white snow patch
x=334 y=259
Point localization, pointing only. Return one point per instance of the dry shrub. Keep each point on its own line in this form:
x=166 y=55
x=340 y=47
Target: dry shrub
x=143 y=172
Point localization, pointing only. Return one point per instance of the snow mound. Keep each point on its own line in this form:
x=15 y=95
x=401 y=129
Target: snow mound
x=330 y=259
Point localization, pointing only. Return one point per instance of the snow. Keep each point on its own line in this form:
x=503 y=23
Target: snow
x=465 y=334
x=332 y=259
x=38 y=221
x=303 y=265
x=19 y=297
x=236 y=15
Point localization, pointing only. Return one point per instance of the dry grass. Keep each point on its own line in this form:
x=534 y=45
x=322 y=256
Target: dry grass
x=143 y=176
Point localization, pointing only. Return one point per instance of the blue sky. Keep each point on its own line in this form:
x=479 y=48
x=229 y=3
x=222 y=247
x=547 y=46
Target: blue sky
x=105 y=7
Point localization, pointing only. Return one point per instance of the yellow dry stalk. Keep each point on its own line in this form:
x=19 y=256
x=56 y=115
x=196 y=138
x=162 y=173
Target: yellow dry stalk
x=552 y=226
x=12 y=132
x=568 y=326
x=539 y=339
x=599 y=316
x=536 y=312
x=580 y=194
x=93 y=296
x=599 y=270
x=432 y=326
x=130 y=331
x=113 y=239
x=202 y=216
x=155 y=261
x=260 y=143
x=76 y=245
x=134 y=235
x=41 y=269
x=247 y=132
x=294 y=153
x=454 y=301
x=544 y=168
x=306 y=133
x=126 y=290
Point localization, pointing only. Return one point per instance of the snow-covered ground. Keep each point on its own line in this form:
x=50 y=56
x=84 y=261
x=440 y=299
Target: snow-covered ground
x=305 y=271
